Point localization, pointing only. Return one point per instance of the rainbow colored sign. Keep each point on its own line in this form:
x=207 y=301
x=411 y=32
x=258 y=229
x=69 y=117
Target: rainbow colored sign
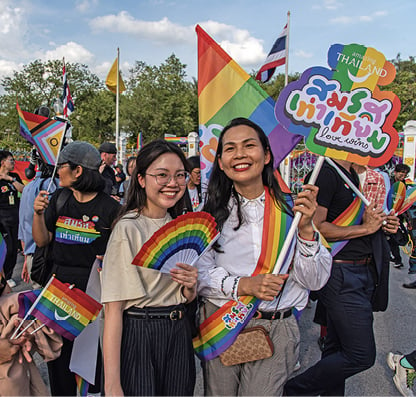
x=341 y=111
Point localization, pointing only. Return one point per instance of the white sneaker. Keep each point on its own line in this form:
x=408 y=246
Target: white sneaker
x=403 y=377
x=11 y=283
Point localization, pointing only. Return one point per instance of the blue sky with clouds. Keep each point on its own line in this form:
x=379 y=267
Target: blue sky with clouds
x=89 y=31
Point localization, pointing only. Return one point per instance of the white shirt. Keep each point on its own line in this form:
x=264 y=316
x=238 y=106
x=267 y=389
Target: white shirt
x=240 y=252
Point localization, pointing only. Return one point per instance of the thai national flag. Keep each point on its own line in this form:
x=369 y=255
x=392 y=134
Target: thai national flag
x=66 y=97
x=276 y=57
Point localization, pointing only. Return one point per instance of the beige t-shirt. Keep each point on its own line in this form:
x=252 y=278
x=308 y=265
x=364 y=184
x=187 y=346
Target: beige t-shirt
x=137 y=286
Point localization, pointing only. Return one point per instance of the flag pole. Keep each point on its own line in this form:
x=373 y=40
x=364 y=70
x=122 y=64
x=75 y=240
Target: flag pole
x=285 y=165
x=117 y=103
x=287 y=50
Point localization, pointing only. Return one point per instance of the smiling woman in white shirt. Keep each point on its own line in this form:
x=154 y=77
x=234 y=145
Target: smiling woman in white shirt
x=242 y=188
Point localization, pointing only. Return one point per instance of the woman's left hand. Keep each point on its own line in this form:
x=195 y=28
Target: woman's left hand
x=306 y=204
x=187 y=276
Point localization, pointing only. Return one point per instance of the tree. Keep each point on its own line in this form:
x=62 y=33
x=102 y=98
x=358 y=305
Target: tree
x=40 y=83
x=159 y=101
x=404 y=86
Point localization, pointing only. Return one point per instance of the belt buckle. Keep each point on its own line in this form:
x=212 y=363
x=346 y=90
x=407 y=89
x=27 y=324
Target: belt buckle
x=257 y=315
x=176 y=315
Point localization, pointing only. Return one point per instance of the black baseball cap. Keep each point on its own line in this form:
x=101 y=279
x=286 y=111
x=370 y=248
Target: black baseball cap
x=108 y=147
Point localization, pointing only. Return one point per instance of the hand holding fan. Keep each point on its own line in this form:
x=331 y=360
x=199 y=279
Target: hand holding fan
x=184 y=240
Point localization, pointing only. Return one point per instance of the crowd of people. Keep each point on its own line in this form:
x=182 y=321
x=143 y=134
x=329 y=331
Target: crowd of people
x=97 y=209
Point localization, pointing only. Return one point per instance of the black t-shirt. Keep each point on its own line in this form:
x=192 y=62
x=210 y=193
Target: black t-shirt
x=81 y=231
x=8 y=193
x=109 y=176
x=335 y=195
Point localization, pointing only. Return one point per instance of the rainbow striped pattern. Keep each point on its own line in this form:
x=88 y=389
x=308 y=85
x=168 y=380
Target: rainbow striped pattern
x=46 y=134
x=408 y=201
x=218 y=332
x=396 y=196
x=3 y=251
x=82 y=385
x=64 y=309
x=185 y=239
x=177 y=140
x=355 y=72
x=352 y=215
x=75 y=231
x=226 y=91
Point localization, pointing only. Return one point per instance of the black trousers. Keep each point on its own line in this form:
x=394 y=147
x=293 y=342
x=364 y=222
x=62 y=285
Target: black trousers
x=9 y=226
x=350 y=346
x=62 y=380
x=157 y=357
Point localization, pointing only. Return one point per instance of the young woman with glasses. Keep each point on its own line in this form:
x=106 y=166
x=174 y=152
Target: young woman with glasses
x=147 y=340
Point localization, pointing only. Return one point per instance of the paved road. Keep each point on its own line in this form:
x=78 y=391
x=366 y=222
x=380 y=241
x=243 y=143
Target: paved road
x=394 y=329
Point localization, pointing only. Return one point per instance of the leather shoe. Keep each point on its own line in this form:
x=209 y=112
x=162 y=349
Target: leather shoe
x=410 y=285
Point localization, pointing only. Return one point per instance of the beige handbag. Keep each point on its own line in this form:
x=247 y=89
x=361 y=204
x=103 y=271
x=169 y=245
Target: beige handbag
x=251 y=344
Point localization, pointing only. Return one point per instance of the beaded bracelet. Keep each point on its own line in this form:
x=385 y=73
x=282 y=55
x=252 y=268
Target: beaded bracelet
x=222 y=284
x=234 y=289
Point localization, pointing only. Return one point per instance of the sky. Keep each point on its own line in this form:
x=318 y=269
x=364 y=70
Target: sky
x=90 y=31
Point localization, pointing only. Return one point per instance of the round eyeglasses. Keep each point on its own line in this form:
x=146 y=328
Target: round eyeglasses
x=163 y=179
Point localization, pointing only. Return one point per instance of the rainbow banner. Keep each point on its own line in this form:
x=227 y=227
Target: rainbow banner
x=46 y=134
x=64 y=309
x=351 y=216
x=341 y=111
x=3 y=251
x=183 y=239
x=177 y=140
x=218 y=332
x=226 y=91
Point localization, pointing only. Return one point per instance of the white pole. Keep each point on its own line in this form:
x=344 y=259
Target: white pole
x=296 y=219
x=117 y=108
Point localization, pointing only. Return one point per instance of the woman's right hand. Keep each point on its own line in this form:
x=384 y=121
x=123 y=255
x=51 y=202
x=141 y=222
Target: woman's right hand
x=41 y=202
x=263 y=286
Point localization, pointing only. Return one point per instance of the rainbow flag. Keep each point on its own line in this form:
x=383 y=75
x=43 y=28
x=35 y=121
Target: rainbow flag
x=64 y=309
x=177 y=140
x=82 y=385
x=352 y=215
x=409 y=200
x=46 y=134
x=396 y=196
x=226 y=91
x=218 y=332
x=26 y=299
x=3 y=251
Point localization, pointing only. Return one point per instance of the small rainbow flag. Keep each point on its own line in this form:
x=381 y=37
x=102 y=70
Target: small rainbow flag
x=26 y=299
x=352 y=215
x=82 y=385
x=64 y=309
x=409 y=200
x=177 y=140
x=226 y=91
x=184 y=239
x=3 y=251
x=46 y=134
x=218 y=332
x=396 y=196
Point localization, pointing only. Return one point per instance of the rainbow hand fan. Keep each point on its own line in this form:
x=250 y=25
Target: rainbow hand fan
x=409 y=200
x=396 y=196
x=184 y=240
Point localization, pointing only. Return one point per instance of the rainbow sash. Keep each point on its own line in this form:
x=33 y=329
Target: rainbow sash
x=218 y=332
x=352 y=215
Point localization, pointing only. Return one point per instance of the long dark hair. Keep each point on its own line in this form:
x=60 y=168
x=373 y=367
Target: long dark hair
x=220 y=186
x=136 y=195
x=89 y=181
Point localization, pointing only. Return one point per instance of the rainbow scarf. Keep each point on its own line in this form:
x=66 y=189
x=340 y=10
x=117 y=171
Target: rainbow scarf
x=82 y=385
x=218 y=332
x=352 y=215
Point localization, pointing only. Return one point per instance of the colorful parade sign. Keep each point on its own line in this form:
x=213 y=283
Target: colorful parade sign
x=341 y=112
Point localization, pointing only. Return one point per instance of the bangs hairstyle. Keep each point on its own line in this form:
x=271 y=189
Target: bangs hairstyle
x=136 y=195
x=89 y=181
x=221 y=188
x=4 y=154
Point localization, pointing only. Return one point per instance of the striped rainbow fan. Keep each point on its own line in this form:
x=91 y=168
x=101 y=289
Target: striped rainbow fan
x=184 y=240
